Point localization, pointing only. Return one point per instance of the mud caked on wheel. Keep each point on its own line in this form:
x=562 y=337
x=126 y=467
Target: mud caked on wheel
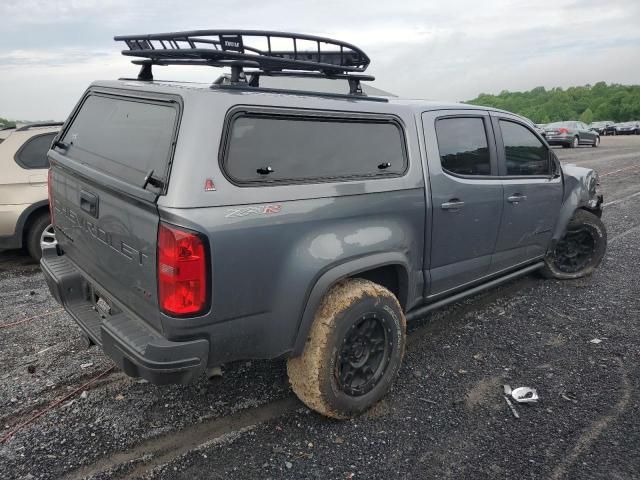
x=580 y=250
x=353 y=352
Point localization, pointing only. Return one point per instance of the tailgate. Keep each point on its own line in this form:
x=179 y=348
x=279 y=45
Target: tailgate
x=106 y=219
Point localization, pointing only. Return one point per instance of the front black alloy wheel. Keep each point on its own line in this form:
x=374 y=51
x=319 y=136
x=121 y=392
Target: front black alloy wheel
x=579 y=252
x=575 y=250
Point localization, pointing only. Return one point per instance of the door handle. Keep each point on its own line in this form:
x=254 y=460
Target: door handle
x=452 y=204
x=89 y=203
x=516 y=198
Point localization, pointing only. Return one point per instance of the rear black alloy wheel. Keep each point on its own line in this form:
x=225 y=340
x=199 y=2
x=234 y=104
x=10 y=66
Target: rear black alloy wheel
x=353 y=351
x=364 y=355
x=580 y=250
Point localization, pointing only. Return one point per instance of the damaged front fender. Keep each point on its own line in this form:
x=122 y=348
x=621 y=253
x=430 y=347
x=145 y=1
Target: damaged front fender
x=580 y=191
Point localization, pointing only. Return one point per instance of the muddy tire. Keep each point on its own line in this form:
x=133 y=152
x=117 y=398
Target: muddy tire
x=353 y=352
x=33 y=236
x=579 y=252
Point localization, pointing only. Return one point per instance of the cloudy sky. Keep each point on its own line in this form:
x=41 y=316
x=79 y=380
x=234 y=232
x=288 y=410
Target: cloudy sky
x=50 y=50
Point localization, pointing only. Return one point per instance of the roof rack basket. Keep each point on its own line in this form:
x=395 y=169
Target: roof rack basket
x=307 y=55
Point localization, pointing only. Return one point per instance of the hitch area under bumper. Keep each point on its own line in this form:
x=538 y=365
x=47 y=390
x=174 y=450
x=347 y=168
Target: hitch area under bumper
x=138 y=349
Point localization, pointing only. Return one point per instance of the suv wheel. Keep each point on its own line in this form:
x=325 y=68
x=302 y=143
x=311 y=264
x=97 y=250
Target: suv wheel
x=596 y=142
x=34 y=233
x=353 y=352
x=580 y=251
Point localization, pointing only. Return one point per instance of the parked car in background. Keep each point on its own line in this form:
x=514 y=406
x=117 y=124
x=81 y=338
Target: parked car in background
x=600 y=127
x=539 y=127
x=24 y=210
x=628 y=128
x=611 y=129
x=571 y=134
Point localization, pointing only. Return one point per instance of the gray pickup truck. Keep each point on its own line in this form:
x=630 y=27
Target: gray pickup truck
x=202 y=224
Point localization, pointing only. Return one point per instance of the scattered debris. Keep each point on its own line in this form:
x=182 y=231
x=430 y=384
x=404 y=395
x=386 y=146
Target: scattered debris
x=119 y=397
x=51 y=406
x=288 y=464
x=507 y=393
x=525 y=395
x=595 y=341
x=86 y=365
x=214 y=372
x=84 y=394
x=569 y=397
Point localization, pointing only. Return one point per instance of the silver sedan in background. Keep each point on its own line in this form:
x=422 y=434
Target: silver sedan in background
x=571 y=134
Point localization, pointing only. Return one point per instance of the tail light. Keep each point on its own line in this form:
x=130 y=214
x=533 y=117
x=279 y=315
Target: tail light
x=183 y=278
x=50 y=193
x=563 y=130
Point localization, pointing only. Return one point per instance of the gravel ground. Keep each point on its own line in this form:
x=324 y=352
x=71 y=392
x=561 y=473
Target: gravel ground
x=577 y=342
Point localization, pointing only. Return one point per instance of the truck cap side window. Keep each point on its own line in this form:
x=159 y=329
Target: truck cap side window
x=293 y=149
x=463 y=146
x=525 y=154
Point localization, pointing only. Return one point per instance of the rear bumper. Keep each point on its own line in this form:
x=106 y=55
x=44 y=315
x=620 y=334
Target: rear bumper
x=559 y=140
x=138 y=349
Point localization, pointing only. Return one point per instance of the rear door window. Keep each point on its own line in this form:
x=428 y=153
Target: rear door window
x=463 y=146
x=122 y=137
x=33 y=154
x=294 y=149
x=525 y=154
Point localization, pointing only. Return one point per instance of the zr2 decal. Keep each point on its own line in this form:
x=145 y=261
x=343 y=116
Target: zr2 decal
x=250 y=211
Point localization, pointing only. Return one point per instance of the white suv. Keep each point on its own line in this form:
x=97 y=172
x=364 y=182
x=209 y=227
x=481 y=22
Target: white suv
x=24 y=208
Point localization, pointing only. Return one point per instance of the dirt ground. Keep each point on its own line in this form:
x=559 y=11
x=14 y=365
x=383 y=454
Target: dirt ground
x=577 y=342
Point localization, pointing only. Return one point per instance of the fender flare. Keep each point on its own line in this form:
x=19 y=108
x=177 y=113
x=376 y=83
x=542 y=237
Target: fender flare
x=336 y=273
x=23 y=219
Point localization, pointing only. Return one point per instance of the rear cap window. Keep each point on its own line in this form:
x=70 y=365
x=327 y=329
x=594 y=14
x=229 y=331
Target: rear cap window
x=124 y=137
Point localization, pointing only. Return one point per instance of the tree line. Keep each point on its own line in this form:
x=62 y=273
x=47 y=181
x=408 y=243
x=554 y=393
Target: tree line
x=4 y=123
x=589 y=103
